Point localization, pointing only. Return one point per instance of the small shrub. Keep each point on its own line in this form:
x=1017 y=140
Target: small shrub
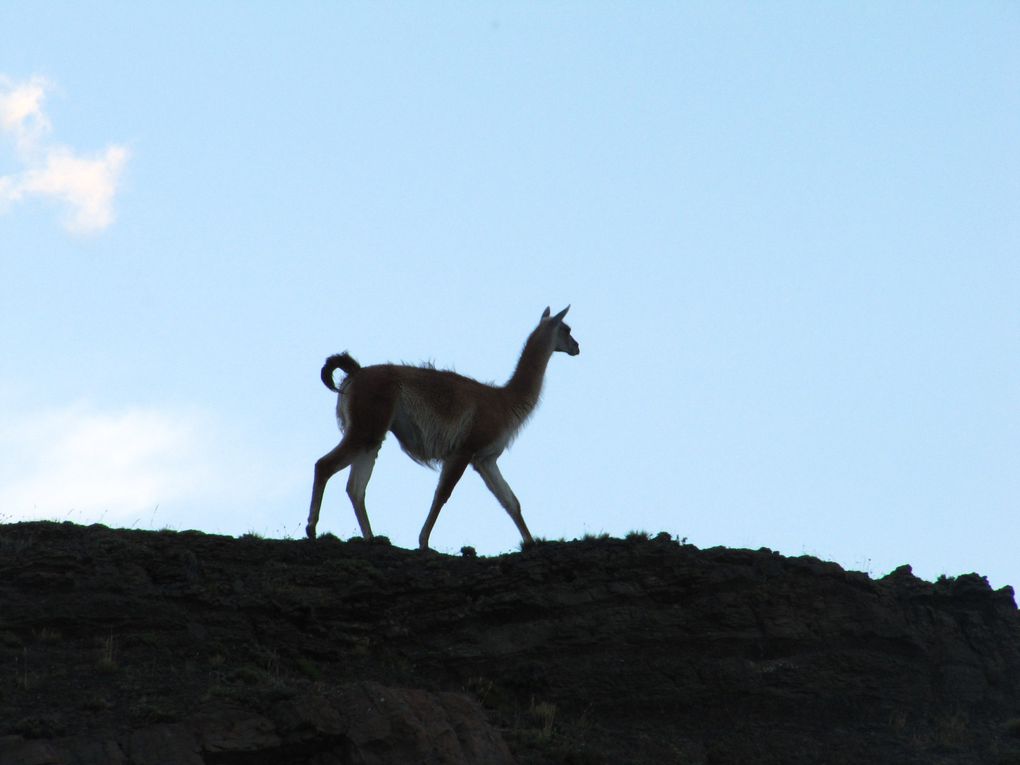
x=898 y=721
x=268 y=657
x=248 y=675
x=147 y=711
x=47 y=635
x=97 y=703
x=107 y=662
x=480 y=687
x=523 y=546
x=544 y=715
x=24 y=682
x=952 y=731
x=308 y=668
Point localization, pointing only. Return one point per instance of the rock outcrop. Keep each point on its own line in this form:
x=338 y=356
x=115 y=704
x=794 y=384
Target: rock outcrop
x=131 y=647
x=366 y=723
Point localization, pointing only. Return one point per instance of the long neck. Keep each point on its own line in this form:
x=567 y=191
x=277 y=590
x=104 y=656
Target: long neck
x=525 y=385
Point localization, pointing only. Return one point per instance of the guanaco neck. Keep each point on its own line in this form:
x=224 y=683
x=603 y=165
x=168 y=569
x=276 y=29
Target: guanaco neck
x=525 y=386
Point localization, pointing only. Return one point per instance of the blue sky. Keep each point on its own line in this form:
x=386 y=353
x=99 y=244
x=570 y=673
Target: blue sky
x=789 y=234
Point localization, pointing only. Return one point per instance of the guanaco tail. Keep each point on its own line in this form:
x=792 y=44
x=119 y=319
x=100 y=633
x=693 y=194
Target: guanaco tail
x=439 y=418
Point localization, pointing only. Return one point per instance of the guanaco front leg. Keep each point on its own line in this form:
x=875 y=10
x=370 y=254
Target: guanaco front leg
x=494 y=480
x=453 y=469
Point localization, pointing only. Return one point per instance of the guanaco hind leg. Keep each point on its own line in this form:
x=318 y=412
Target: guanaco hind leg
x=357 y=482
x=325 y=468
x=365 y=431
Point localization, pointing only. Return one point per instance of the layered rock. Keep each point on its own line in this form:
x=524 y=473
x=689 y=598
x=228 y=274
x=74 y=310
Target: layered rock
x=124 y=646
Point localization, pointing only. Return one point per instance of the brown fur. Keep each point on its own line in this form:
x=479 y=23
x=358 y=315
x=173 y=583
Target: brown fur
x=437 y=416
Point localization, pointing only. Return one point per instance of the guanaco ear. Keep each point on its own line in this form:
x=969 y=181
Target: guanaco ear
x=561 y=314
x=546 y=312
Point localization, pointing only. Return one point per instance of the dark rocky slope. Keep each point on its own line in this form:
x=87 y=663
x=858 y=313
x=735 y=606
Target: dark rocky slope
x=146 y=648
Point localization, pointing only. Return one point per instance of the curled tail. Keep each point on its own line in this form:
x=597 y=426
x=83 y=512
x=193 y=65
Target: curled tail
x=339 y=361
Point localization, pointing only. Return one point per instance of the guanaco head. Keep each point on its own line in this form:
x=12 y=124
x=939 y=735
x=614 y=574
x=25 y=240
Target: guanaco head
x=563 y=340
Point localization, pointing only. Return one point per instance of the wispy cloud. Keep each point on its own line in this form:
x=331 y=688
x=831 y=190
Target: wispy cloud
x=86 y=184
x=112 y=465
x=118 y=465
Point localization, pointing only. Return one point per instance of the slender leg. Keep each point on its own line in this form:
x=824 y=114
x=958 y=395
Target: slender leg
x=501 y=489
x=357 y=482
x=453 y=469
x=325 y=468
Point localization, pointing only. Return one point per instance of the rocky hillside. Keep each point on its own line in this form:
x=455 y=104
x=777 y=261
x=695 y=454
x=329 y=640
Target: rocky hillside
x=163 y=648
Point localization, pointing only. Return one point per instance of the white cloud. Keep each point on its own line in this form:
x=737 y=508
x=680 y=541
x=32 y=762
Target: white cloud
x=21 y=113
x=117 y=466
x=87 y=184
x=113 y=465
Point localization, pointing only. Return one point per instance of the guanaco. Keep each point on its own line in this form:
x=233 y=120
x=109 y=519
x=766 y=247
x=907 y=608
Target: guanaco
x=439 y=418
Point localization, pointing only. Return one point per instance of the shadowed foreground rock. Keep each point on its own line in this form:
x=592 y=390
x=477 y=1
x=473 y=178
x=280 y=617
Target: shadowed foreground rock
x=139 y=648
x=367 y=723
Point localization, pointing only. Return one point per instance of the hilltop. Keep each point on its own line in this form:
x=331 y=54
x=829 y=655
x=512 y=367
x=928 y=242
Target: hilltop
x=181 y=648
